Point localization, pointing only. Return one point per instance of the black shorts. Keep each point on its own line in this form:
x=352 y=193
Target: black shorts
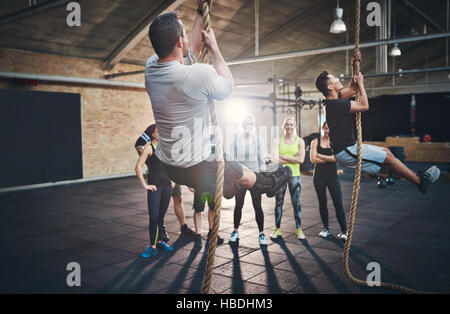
x=202 y=176
x=177 y=191
x=201 y=199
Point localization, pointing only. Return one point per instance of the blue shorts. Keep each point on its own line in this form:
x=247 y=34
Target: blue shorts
x=373 y=158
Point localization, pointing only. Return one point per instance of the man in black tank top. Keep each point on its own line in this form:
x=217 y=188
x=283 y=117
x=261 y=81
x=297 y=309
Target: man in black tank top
x=340 y=112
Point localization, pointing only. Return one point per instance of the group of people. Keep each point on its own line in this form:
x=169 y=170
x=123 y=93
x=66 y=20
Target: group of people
x=179 y=148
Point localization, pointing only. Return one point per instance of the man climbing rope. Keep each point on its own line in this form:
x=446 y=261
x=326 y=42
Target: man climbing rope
x=340 y=115
x=180 y=92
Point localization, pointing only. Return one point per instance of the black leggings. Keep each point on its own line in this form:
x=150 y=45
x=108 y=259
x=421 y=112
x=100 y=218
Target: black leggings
x=158 y=202
x=321 y=182
x=256 y=200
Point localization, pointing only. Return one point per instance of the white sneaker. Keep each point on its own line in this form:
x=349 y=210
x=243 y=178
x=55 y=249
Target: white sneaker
x=428 y=177
x=343 y=236
x=234 y=236
x=299 y=233
x=262 y=239
x=324 y=233
x=276 y=233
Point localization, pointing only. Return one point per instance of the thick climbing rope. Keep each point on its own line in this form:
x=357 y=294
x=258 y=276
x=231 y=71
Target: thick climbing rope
x=356 y=183
x=220 y=172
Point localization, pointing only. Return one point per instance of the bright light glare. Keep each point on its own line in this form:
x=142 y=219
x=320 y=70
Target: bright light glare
x=235 y=111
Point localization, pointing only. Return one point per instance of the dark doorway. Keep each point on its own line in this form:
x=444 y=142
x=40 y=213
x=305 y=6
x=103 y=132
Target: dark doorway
x=40 y=136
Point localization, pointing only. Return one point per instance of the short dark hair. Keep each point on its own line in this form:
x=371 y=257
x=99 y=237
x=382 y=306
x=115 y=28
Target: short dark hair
x=322 y=83
x=164 y=33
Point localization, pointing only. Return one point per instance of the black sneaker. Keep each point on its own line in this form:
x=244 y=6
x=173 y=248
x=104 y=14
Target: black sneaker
x=427 y=178
x=219 y=239
x=281 y=177
x=198 y=240
x=165 y=235
x=187 y=232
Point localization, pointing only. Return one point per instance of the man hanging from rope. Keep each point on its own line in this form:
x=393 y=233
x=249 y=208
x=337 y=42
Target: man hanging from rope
x=180 y=90
x=340 y=116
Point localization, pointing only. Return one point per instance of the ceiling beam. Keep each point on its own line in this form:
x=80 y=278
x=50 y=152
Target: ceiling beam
x=292 y=21
x=138 y=33
x=327 y=50
x=31 y=11
x=419 y=13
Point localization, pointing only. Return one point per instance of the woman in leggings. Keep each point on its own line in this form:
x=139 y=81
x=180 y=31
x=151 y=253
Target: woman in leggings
x=159 y=191
x=248 y=151
x=289 y=151
x=325 y=175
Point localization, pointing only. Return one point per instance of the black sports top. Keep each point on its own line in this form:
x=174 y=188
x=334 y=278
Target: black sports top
x=156 y=173
x=328 y=168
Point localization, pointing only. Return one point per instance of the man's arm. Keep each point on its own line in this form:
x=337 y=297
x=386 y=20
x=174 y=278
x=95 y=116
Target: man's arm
x=219 y=62
x=195 y=36
x=362 y=104
x=348 y=92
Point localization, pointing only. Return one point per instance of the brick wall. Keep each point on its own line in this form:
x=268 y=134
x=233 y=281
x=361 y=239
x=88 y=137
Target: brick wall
x=112 y=117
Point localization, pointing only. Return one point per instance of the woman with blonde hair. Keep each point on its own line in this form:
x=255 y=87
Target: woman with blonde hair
x=247 y=150
x=289 y=151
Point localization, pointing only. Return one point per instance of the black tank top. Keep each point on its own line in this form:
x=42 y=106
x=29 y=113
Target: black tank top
x=329 y=168
x=157 y=175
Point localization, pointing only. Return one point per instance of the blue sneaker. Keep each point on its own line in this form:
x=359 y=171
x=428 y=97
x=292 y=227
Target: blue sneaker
x=163 y=245
x=262 y=239
x=149 y=251
x=234 y=236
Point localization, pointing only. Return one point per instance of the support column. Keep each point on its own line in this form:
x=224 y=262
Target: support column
x=381 y=34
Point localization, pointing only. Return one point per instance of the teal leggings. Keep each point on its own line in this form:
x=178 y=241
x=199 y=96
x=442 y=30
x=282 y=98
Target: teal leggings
x=294 y=190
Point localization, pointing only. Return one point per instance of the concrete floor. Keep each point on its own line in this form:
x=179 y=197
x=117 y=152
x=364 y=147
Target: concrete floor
x=103 y=227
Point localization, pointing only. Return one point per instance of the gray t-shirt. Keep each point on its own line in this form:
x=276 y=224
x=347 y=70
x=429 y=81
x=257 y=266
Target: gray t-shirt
x=179 y=94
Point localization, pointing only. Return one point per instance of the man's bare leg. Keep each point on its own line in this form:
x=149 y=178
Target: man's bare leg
x=178 y=208
x=210 y=218
x=400 y=169
x=248 y=178
x=198 y=222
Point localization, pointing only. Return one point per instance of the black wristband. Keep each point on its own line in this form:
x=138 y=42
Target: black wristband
x=200 y=11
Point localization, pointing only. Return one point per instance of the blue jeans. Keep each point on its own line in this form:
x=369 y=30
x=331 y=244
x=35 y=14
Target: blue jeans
x=294 y=190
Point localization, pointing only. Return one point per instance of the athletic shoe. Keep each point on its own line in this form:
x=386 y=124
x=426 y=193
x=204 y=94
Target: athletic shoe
x=276 y=233
x=343 y=236
x=149 y=251
x=428 y=177
x=219 y=239
x=187 y=232
x=324 y=233
x=234 y=236
x=262 y=239
x=299 y=233
x=198 y=240
x=165 y=235
x=163 y=245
